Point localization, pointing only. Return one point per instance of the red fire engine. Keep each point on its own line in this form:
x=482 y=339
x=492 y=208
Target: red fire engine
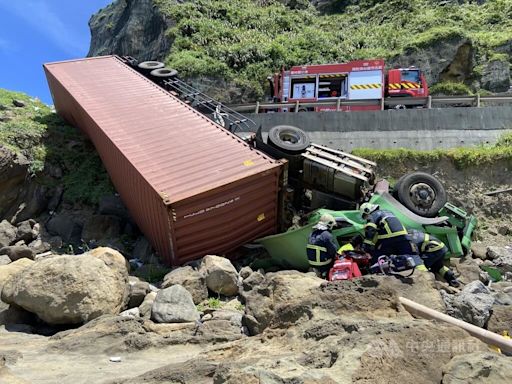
x=355 y=80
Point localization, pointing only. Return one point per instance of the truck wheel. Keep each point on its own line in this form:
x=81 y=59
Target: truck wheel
x=164 y=73
x=288 y=139
x=421 y=193
x=150 y=65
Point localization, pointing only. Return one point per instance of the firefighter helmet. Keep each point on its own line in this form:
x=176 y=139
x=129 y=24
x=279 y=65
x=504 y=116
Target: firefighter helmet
x=326 y=221
x=368 y=208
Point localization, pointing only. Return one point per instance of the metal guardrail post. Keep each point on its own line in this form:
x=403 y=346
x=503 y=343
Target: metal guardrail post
x=382 y=104
x=338 y=105
x=478 y=100
x=429 y=102
x=257 y=109
x=296 y=106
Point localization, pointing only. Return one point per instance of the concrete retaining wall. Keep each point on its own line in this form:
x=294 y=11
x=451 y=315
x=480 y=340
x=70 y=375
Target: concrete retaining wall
x=416 y=129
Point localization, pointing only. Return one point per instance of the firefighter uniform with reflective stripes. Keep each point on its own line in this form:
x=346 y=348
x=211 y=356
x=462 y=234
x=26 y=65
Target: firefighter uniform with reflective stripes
x=385 y=235
x=433 y=251
x=321 y=250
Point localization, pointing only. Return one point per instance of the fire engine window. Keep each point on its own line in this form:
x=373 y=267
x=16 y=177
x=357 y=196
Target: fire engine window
x=304 y=88
x=331 y=87
x=412 y=76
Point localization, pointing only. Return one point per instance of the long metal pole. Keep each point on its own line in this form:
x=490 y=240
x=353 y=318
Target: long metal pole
x=486 y=336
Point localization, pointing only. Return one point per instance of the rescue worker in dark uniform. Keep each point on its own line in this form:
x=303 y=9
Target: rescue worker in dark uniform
x=433 y=251
x=322 y=246
x=384 y=233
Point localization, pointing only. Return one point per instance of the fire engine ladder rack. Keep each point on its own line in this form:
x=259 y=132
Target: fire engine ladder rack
x=346 y=163
x=217 y=112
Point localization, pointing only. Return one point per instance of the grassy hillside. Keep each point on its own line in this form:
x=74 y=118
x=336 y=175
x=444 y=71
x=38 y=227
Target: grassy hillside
x=245 y=40
x=40 y=135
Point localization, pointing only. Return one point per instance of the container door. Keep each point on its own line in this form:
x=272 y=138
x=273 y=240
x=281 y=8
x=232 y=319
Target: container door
x=365 y=85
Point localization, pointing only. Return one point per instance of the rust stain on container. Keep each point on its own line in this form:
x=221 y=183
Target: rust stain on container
x=192 y=187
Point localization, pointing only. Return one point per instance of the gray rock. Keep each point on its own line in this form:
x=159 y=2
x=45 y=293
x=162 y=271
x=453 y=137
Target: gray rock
x=101 y=227
x=66 y=227
x=478 y=368
x=174 y=305
x=7 y=233
x=18 y=103
x=18 y=252
x=13 y=269
x=221 y=276
x=70 y=289
x=24 y=231
x=133 y=22
x=13 y=314
x=138 y=291
x=190 y=279
x=496 y=76
x=468 y=269
x=473 y=304
x=494 y=252
x=504 y=230
x=114 y=206
x=40 y=246
x=504 y=259
x=145 y=307
x=13 y=176
x=4 y=260
x=132 y=312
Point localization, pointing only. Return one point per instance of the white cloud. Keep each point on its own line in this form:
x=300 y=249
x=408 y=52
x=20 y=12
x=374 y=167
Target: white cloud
x=42 y=18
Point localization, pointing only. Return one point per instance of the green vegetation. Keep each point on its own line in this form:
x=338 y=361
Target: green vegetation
x=450 y=88
x=246 y=40
x=40 y=135
x=461 y=157
x=211 y=303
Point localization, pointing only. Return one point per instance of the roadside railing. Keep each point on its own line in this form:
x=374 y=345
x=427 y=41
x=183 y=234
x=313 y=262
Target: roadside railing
x=389 y=103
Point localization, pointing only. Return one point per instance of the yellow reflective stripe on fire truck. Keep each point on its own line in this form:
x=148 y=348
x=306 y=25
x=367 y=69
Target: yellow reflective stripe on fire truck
x=409 y=85
x=335 y=75
x=365 y=86
x=318 y=262
x=394 y=85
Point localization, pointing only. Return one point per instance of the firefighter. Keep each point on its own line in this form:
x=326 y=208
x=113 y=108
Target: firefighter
x=321 y=248
x=433 y=252
x=384 y=233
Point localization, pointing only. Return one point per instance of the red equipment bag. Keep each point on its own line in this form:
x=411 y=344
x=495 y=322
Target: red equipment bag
x=344 y=268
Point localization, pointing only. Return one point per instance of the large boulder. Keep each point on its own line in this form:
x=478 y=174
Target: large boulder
x=4 y=260
x=174 y=305
x=473 y=304
x=221 y=276
x=24 y=231
x=71 y=289
x=190 y=279
x=7 y=233
x=6 y=271
x=478 y=368
x=66 y=227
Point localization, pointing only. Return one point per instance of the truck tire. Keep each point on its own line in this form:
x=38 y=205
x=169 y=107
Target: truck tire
x=288 y=139
x=150 y=65
x=421 y=193
x=164 y=73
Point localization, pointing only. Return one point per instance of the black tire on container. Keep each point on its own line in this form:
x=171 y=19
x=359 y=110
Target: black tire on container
x=422 y=194
x=164 y=73
x=396 y=187
x=288 y=138
x=150 y=65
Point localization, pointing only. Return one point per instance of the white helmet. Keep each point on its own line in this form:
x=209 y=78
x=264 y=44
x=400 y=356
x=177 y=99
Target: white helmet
x=326 y=222
x=368 y=208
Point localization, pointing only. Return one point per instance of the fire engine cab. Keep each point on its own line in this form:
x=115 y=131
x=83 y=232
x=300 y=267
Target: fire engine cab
x=356 y=80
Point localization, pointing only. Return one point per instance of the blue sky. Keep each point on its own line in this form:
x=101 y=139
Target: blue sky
x=33 y=32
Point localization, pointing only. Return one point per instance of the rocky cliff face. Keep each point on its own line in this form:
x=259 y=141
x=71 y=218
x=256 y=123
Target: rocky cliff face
x=130 y=27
